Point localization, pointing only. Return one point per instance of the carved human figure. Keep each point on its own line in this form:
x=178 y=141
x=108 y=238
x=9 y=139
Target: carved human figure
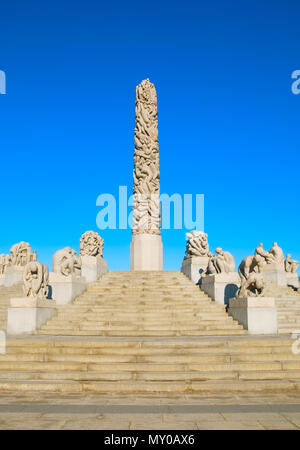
x=146 y=189
x=4 y=262
x=267 y=256
x=66 y=262
x=222 y=262
x=197 y=244
x=278 y=255
x=251 y=264
x=36 y=280
x=290 y=265
x=21 y=254
x=253 y=286
x=91 y=244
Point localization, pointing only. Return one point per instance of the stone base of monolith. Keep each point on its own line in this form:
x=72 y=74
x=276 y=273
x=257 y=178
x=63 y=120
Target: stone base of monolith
x=258 y=315
x=26 y=315
x=146 y=252
x=195 y=267
x=13 y=275
x=292 y=279
x=221 y=287
x=274 y=274
x=64 y=289
x=92 y=268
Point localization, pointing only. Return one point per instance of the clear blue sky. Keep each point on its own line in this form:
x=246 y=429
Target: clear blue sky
x=228 y=121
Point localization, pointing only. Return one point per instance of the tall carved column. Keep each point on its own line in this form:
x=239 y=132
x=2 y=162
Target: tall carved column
x=146 y=243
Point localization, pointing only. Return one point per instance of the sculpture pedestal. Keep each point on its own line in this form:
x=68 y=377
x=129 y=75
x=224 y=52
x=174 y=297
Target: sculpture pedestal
x=13 y=275
x=26 y=315
x=92 y=268
x=64 y=289
x=146 y=252
x=292 y=279
x=274 y=274
x=221 y=287
x=257 y=314
x=194 y=267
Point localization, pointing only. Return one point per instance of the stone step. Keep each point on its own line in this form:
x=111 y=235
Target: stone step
x=161 y=333
x=142 y=386
x=142 y=324
x=107 y=326
x=221 y=367
x=151 y=358
x=150 y=376
x=145 y=350
x=164 y=316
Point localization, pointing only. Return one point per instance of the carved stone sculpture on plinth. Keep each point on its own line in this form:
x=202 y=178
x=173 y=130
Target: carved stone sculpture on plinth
x=291 y=266
x=20 y=255
x=27 y=314
x=220 y=281
x=273 y=270
x=197 y=255
x=66 y=281
x=146 y=251
x=93 y=266
x=258 y=314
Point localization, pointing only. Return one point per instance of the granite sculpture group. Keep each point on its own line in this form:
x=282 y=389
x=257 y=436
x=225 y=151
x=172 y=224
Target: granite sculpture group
x=243 y=291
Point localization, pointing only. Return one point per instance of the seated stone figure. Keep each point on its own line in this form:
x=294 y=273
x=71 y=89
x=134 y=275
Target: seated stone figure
x=36 y=280
x=222 y=262
x=290 y=265
x=253 y=286
x=66 y=262
x=277 y=254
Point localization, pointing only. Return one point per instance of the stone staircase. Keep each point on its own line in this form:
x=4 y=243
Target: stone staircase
x=147 y=365
x=147 y=332
x=6 y=293
x=140 y=304
x=288 y=307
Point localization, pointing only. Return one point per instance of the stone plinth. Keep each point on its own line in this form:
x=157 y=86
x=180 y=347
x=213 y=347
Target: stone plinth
x=274 y=274
x=27 y=314
x=64 y=289
x=2 y=279
x=146 y=252
x=92 y=268
x=257 y=314
x=221 y=287
x=292 y=279
x=13 y=275
x=194 y=267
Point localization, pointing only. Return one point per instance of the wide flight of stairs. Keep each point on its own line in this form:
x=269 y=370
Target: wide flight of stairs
x=149 y=365
x=6 y=293
x=147 y=332
x=288 y=307
x=143 y=304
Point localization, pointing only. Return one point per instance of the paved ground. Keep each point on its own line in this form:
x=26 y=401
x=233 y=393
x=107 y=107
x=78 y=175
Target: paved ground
x=112 y=412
